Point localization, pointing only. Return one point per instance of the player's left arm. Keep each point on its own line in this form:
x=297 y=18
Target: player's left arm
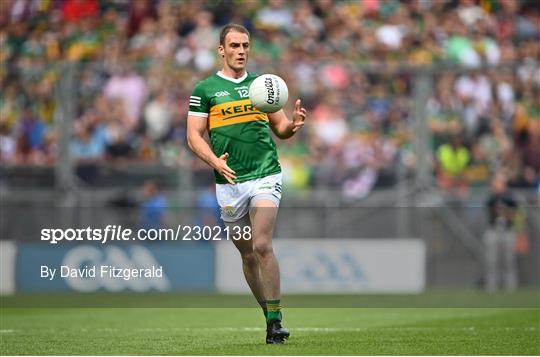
x=282 y=126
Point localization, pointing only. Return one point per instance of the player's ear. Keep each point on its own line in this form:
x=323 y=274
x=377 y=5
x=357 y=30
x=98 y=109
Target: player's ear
x=221 y=51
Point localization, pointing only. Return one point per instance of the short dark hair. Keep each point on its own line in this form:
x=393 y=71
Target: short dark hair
x=229 y=28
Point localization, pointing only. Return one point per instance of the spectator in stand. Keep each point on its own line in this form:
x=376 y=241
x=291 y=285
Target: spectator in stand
x=86 y=148
x=474 y=91
x=157 y=116
x=452 y=161
x=119 y=148
x=530 y=148
x=139 y=11
x=77 y=10
x=130 y=87
x=7 y=144
x=275 y=14
x=32 y=140
x=129 y=53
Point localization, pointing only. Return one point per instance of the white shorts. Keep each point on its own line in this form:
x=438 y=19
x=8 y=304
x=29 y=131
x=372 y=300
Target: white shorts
x=235 y=200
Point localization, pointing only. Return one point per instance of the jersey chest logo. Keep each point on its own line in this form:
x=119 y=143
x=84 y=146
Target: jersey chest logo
x=221 y=93
x=234 y=112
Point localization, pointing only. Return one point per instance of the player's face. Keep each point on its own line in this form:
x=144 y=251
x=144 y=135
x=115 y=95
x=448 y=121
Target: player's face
x=235 y=52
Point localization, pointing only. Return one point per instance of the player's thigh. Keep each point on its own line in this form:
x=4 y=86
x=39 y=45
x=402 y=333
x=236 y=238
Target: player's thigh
x=264 y=204
x=263 y=217
x=237 y=233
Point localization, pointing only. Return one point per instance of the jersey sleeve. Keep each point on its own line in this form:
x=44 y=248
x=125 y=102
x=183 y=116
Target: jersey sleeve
x=199 y=105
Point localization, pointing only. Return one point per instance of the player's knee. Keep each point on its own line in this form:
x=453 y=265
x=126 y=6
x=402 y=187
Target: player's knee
x=249 y=258
x=262 y=249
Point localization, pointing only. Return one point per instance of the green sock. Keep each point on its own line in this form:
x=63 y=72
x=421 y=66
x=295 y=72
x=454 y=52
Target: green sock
x=274 y=310
x=264 y=309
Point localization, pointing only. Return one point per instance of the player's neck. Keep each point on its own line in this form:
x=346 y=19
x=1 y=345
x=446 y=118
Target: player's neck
x=229 y=72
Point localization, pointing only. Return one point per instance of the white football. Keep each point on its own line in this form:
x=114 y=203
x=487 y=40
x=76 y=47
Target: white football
x=268 y=93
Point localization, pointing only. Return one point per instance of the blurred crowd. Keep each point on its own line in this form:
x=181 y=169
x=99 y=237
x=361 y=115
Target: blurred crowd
x=353 y=63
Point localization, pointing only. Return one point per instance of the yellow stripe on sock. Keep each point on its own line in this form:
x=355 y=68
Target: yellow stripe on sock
x=274 y=307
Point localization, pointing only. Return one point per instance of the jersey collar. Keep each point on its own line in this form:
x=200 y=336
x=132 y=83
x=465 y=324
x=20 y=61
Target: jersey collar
x=234 y=80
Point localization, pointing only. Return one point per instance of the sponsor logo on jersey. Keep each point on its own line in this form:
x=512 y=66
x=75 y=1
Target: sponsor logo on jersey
x=234 y=112
x=237 y=109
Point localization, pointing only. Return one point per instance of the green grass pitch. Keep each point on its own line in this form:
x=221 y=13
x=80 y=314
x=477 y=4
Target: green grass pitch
x=376 y=330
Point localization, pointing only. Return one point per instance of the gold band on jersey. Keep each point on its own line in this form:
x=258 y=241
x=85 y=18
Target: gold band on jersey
x=235 y=112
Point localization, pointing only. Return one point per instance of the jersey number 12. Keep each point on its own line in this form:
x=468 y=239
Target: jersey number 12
x=243 y=93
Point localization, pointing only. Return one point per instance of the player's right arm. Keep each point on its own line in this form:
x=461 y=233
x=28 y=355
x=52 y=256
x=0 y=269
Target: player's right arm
x=196 y=128
x=197 y=122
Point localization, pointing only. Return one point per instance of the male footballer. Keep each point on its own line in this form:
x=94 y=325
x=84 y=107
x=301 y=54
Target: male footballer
x=246 y=166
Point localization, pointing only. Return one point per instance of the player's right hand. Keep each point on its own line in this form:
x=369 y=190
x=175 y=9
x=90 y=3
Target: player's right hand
x=224 y=170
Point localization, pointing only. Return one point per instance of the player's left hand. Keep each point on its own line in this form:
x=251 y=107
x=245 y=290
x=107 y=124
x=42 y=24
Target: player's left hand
x=299 y=116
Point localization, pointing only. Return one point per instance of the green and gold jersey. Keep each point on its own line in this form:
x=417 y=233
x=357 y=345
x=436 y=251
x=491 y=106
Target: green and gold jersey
x=235 y=126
